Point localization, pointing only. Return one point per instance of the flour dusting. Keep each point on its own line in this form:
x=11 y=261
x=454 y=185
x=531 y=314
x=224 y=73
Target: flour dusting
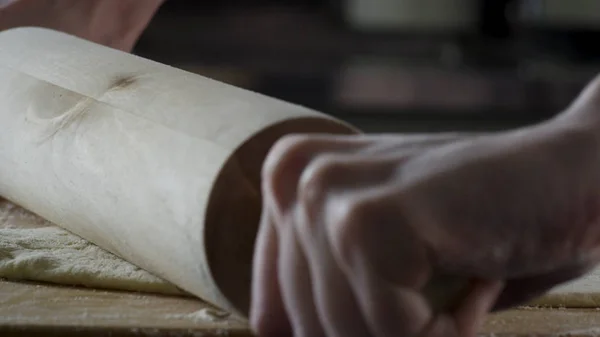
x=202 y=315
x=33 y=249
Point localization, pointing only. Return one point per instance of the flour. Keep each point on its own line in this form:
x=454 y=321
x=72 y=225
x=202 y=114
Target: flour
x=35 y=250
x=593 y=332
x=13 y=216
x=583 y=292
x=202 y=315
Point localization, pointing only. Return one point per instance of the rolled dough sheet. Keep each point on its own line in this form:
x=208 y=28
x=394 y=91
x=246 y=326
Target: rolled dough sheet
x=583 y=292
x=33 y=249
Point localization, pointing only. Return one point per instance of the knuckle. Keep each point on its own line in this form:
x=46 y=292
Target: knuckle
x=314 y=185
x=347 y=226
x=283 y=167
x=274 y=156
x=286 y=152
x=320 y=174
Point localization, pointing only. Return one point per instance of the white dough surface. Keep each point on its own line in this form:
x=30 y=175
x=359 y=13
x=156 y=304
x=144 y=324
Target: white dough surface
x=583 y=292
x=33 y=249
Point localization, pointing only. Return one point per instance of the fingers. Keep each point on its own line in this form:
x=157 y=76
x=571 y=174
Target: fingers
x=334 y=298
x=296 y=285
x=371 y=241
x=369 y=226
x=288 y=159
x=267 y=313
x=292 y=155
x=284 y=285
x=471 y=313
x=324 y=202
x=390 y=310
x=328 y=227
x=279 y=293
x=383 y=263
x=323 y=252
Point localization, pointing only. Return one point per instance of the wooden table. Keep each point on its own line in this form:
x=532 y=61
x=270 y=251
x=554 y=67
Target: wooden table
x=43 y=310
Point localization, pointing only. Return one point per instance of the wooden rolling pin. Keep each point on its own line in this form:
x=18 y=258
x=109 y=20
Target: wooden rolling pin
x=157 y=165
x=154 y=164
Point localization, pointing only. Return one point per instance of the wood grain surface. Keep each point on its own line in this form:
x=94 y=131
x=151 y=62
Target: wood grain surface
x=529 y=322
x=28 y=309
x=154 y=164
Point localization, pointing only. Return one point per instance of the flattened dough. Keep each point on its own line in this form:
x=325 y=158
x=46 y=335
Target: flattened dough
x=583 y=292
x=33 y=249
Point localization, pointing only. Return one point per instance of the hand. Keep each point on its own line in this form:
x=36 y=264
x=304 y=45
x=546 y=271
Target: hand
x=114 y=23
x=390 y=235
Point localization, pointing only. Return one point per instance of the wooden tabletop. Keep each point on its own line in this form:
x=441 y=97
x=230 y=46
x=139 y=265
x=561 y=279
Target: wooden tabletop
x=43 y=310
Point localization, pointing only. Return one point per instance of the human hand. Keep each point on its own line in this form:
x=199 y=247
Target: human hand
x=114 y=23
x=361 y=235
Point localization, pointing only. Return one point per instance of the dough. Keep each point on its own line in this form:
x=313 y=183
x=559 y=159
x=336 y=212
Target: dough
x=583 y=292
x=33 y=249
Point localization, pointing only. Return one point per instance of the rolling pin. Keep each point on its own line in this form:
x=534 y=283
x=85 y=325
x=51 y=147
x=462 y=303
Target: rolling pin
x=154 y=164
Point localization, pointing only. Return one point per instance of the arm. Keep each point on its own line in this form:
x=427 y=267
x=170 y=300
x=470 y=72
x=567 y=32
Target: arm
x=114 y=23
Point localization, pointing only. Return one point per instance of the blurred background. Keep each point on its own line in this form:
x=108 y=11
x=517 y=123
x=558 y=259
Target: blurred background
x=391 y=65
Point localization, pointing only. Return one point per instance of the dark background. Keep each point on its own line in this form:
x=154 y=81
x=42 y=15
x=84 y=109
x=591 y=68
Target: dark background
x=501 y=70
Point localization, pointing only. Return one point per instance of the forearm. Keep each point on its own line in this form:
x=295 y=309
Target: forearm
x=115 y=23
x=128 y=20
